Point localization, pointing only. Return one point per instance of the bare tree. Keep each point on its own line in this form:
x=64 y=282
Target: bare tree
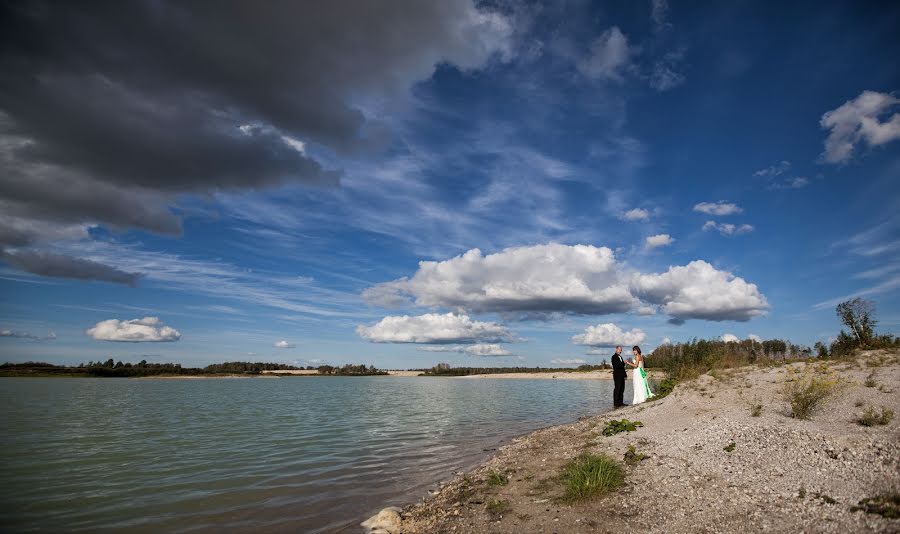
x=859 y=316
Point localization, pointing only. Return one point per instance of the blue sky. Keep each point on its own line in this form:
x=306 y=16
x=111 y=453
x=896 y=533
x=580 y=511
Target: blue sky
x=628 y=172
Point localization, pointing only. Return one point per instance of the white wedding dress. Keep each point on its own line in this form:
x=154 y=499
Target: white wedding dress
x=640 y=385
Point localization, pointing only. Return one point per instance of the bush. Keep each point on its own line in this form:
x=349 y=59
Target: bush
x=591 y=475
x=624 y=425
x=808 y=390
x=871 y=417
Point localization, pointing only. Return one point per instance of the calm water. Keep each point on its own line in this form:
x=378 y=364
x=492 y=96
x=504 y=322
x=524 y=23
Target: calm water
x=290 y=454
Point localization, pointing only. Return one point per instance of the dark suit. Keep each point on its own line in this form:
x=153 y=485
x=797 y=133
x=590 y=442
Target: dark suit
x=619 y=375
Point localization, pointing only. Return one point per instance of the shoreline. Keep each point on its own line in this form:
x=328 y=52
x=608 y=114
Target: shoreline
x=782 y=474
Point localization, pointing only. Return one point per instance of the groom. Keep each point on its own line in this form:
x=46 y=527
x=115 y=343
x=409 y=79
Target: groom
x=618 y=365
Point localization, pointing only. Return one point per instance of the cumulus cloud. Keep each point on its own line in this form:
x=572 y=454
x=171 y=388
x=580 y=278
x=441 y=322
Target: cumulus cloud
x=719 y=208
x=88 y=137
x=730 y=338
x=659 y=240
x=26 y=335
x=148 y=329
x=540 y=278
x=571 y=279
x=609 y=335
x=478 y=349
x=665 y=341
x=434 y=328
x=754 y=337
x=860 y=121
x=727 y=229
x=700 y=291
x=609 y=56
x=283 y=344
x=636 y=214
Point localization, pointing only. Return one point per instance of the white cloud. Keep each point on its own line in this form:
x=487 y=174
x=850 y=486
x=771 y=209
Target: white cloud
x=727 y=229
x=858 y=121
x=568 y=361
x=575 y=279
x=609 y=55
x=700 y=291
x=540 y=278
x=609 y=335
x=148 y=329
x=797 y=182
x=754 y=337
x=659 y=240
x=433 y=328
x=478 y=349
x=730 y=338
x=719 y=208
x=775 y=170
x=666 y=341
x=636 y=214
x=283 y=344
x=659 y=11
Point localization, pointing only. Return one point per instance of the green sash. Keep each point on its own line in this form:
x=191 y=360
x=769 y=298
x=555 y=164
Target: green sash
x=646 y=384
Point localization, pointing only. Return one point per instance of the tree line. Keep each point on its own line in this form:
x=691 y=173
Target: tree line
x=444 y=369
x=112 y=368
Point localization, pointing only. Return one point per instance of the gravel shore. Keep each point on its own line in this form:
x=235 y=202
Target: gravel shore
x=781 y=475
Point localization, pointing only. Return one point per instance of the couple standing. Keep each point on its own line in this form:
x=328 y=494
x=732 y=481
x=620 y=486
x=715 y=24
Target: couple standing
x=638 y=379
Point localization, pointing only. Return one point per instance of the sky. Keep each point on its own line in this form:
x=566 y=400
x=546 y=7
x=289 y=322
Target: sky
x=405 y=183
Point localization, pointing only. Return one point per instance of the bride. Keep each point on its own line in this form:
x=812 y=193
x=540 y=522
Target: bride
x=639 y=377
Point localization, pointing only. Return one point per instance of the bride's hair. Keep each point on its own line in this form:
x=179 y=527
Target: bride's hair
x=638 y=349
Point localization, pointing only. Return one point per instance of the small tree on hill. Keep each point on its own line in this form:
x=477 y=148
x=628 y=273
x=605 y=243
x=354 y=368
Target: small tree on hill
x=859 y=316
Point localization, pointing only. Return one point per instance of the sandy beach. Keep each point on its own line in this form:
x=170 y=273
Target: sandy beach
x=711 y=465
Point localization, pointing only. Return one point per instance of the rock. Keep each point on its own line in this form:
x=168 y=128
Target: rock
x=386 y=521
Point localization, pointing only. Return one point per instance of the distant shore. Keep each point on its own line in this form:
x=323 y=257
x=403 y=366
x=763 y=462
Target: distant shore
x=721 y=453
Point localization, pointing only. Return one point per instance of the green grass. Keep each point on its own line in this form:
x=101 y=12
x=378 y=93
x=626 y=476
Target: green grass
x=730 y=447
x=623 y=425
x=871 y=417
x=591 y=475
x=497 y=479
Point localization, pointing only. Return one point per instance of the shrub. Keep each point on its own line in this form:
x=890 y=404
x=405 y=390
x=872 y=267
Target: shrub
x=808 y=390
x=624 y=425
x=664 y=388
x=591 y=475
x=871 y=417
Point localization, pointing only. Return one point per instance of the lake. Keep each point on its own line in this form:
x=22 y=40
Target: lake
x=311 y=454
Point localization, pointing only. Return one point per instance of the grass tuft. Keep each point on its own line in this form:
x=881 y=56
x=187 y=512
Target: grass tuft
x=591 y=475
x=871 y=417
x=887 y=506
x=730 y=447
x=756 y=410
x=497 y=479
x=498 y=507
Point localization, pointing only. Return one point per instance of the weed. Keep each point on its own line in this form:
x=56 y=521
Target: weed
x=756 y=410
x=887 y=506
x=871 y=417
x=827 y=499
x=858 y=403
x=730 y=447
x=498 y=507
x=802 y=493
x=632 y=457
x=497 y=479
x=591 y=475
x=870 y=381
x=624 y=425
